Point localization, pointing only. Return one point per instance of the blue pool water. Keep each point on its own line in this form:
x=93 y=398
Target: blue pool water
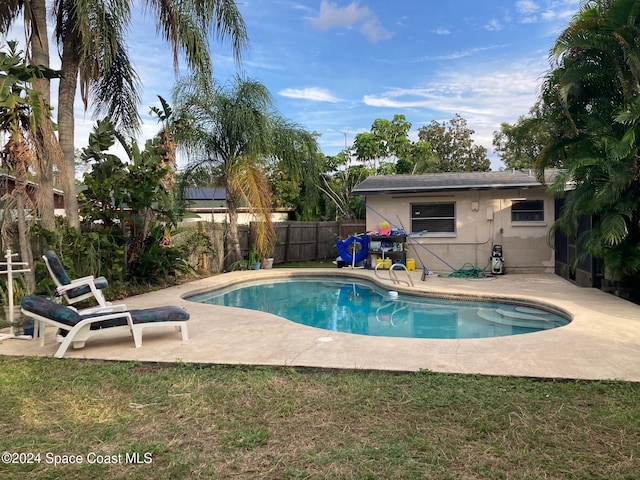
x=363 y=308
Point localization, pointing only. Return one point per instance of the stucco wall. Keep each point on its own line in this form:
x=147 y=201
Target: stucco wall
x=243 y=218
x=483 y=218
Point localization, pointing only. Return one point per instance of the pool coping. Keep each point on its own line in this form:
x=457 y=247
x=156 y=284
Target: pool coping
x=601 y=342
x=363 y=275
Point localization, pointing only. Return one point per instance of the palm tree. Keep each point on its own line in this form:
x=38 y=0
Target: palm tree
x=20 y=112
x=592 y=99
x=91 y=37
x=166 y=142
x=165 y=147
x=46 y=147
x=233 y=130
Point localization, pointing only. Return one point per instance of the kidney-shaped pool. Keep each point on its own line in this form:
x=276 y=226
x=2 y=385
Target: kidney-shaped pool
x=363 y=308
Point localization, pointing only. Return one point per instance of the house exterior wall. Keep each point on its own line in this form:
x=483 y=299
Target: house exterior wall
x=483 y=218
x=243 y=218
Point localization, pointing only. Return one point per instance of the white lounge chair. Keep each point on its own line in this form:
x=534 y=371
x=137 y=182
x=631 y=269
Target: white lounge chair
x=80 y=327
x=76 y=290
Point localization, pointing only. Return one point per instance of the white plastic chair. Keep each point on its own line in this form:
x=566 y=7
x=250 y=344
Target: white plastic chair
x=74 y=291
x=78 y=327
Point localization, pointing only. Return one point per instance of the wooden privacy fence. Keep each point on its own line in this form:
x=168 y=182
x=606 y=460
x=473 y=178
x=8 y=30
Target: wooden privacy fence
x=295 y=241
x=305 y=241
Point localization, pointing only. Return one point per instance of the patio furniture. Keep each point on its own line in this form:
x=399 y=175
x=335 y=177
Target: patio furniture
x=74 y=291
x=77 y=327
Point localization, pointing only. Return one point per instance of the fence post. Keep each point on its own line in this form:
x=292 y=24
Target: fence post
x=286 y=243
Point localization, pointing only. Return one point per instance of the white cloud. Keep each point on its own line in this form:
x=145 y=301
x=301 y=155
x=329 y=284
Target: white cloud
x=564 y=15
x=459 y=54
x=493 y=25
x=373 y=31
x=441 y=31
x=488 y=92
x=550 y=11
x=332 y=16
x=484 y=96
x=315 y=94
x=530 y=19
x=353 y=15
x=527 y=7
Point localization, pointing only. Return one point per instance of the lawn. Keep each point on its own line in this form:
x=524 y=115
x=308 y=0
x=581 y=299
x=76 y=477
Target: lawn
x=144 y=421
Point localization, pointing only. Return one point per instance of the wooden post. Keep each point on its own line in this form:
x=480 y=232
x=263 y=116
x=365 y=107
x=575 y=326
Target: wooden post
x=9 y=272
x=286 y=243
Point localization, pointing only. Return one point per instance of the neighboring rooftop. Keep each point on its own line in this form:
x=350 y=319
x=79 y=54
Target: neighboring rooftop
x=433 y=182
x=205 y=193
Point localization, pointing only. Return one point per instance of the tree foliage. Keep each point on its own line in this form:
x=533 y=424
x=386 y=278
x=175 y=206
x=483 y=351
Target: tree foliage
x=299 y=193
x=387 y=149
x=453 y=146
x=592 y=98
x=233 y=132
x=21 y=117
x=91 y=37
x=337 y=182
x=128 y=203
x=519 y=145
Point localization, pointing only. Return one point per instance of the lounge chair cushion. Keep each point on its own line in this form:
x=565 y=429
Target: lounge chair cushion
x=61 y=274
x=99 y=282
x=51 y=310
x=147 y=315
x=57 y=268
x=70 y=317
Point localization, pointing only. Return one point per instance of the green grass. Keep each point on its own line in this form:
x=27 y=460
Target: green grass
x=222 y=422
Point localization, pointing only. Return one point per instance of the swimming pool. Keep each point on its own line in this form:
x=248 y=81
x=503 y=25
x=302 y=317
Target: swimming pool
x=361 y=307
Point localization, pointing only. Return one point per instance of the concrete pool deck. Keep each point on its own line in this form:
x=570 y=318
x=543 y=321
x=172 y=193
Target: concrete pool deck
x=601 y=342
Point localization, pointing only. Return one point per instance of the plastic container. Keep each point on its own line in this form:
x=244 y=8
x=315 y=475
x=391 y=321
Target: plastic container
x=411 y=263
x=384 y=263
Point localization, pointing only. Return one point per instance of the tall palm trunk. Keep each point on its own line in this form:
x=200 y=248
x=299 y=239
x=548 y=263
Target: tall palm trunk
x=20 y=154
x=232 y=243
x=47 y=147
x=66 y=97
x=23 y=237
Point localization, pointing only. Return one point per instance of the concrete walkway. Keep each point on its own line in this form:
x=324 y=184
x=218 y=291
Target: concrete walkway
x=601 y=342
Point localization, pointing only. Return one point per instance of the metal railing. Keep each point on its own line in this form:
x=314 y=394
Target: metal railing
x=392 y=274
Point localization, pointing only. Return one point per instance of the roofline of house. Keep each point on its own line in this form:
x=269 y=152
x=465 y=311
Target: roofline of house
x=445 y=189
x=226 y=210
x=31 y=184
x=526 y=181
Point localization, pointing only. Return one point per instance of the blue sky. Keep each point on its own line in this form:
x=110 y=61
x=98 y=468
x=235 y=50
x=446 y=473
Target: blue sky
x=334 y=66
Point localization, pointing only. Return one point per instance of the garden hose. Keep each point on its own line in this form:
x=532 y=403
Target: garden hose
x=468 y=270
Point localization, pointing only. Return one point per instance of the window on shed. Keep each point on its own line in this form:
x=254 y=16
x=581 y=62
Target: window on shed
x=433 y=218
x=527 y=211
